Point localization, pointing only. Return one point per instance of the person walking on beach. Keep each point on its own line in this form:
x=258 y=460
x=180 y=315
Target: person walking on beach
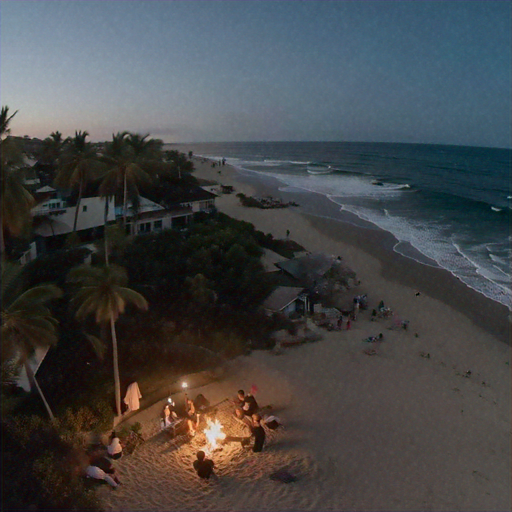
x=356 y=310
x=348 y=324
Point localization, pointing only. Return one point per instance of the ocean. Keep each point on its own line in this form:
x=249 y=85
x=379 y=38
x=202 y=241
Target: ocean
x=447 y=206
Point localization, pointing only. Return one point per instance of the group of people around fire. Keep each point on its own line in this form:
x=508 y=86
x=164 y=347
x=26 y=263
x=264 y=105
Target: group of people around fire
x=246 y=410
x=185 y=420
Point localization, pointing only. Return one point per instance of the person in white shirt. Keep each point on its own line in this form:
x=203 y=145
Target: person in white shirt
x=98 y=474
x=114 y=449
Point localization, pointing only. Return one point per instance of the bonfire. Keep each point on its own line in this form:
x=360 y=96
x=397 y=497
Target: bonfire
x=213 y=433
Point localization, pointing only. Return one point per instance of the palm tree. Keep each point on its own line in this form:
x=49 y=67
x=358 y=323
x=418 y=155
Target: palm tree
x=16 y=199
x=52 y=148
x=144 y=149
x=5 y=120
x=80 y=164
x=124 y=172
x=27 y=322
x=103 y=292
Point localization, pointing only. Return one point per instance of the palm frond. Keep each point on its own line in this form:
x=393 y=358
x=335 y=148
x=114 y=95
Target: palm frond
x=98 y=345
x=135 y=298
x=36 y=296
x=10 y=282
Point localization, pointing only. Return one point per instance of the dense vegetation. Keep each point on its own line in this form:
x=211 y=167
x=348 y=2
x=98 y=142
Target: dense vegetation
x=204 y=288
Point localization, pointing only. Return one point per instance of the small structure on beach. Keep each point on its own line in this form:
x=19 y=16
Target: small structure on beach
x=314 y=269
x=323 y=277
x=270 y=260
x=286 y=300
x=227 y=189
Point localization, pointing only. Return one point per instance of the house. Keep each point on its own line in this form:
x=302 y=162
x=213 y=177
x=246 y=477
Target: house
x=151 y=217
x=309 y=269
x=191 y=196
x=29 y=255
x=54 y=217
x=34 y=361
x=286 y=300
x=60 y=215
x=270 y=259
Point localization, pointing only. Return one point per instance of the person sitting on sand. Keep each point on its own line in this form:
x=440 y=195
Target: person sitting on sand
x=114 y=449
x=258 y=432
x=203 y=466
x=246 y=405
x=102 y=468
x=98 y=474
x=105 y=465
x=171 y=417
x=169 y=414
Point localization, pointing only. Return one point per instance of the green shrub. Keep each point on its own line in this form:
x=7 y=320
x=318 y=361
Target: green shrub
x=136 y=427
x=41 y=470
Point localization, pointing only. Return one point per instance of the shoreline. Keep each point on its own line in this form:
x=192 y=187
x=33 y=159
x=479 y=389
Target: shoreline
x=473 y=278
x=342 y=216
x=436 y=282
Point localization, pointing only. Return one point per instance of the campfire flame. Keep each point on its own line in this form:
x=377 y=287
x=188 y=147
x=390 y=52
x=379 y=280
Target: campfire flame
x=214 y=433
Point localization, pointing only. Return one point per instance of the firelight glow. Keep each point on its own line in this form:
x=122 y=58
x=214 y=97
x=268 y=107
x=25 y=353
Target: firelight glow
x=214 y=434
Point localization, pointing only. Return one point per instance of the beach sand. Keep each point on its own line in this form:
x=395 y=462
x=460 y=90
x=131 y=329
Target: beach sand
x=406 y=429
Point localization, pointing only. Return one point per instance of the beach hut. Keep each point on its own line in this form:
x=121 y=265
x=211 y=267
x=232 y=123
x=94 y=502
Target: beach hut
x=286 y=300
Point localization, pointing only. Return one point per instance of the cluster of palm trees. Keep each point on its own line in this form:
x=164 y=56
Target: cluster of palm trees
x=27 y=321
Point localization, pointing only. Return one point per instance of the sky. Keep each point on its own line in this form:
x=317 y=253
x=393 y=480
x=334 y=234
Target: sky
x=209 y=71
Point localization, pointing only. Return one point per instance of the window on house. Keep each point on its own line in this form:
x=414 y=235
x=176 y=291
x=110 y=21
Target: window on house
x=145 y=227
x=157 y=226
x=84 y=208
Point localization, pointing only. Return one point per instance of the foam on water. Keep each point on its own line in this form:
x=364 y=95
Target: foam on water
x=477 y=267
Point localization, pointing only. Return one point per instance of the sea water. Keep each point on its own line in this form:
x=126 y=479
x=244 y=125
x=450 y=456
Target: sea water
x=448 y=206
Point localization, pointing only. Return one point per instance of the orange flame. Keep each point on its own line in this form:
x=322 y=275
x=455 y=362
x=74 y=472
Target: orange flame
x=214 y=433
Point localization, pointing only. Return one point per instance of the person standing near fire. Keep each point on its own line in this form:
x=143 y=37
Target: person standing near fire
x=192 y=415
x=258 y=432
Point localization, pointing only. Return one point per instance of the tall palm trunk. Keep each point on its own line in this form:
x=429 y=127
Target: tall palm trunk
x=2 y=243
x=78 y=205
x=125 y=198
x=117 y=383
x=33 y=383
x=105 y=236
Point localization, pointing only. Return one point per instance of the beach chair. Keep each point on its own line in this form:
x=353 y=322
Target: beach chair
x=170 y=427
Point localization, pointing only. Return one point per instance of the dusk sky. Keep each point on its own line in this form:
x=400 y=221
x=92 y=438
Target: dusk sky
x=193 y=71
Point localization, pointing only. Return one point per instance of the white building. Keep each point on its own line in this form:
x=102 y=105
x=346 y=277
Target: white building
x=152 y=217
x=59 y=218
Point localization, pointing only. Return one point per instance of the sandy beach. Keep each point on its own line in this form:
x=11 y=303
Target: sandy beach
x=425 y=424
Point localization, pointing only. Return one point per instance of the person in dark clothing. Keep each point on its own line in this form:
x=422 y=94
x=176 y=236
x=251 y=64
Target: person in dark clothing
x=203 y=466
x=258 y=432
x=246 y=405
